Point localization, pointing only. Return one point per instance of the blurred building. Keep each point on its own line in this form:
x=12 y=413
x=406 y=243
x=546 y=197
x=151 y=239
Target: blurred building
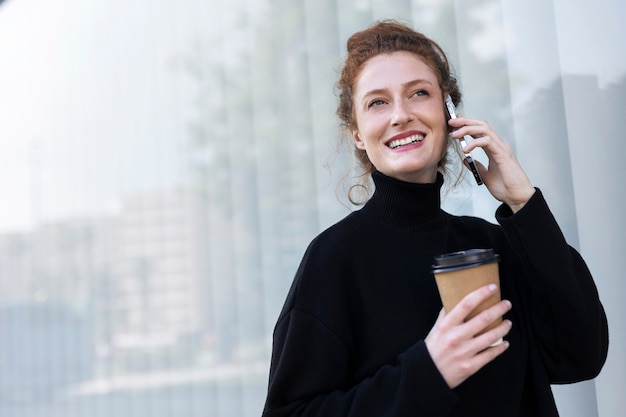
x=137 y=276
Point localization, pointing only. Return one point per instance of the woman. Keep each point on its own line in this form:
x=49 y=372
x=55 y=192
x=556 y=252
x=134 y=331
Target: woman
x=362 y=332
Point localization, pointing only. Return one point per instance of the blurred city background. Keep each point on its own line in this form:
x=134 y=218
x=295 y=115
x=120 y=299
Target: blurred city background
x=163 y=166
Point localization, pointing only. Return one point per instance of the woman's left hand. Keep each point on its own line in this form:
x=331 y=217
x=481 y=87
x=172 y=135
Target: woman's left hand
x=504 y=177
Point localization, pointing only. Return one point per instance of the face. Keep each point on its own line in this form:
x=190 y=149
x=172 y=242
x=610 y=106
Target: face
x=400 y=119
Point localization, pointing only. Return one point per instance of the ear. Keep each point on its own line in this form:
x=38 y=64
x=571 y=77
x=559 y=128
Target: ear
x=357 y=140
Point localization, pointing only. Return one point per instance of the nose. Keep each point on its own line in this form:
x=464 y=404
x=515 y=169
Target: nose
x=401 y=114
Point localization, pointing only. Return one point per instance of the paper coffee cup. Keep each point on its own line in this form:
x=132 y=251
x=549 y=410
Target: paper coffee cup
x=459 y=273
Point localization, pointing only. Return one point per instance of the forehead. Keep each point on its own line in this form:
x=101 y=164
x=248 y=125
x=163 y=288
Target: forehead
x=389 y=69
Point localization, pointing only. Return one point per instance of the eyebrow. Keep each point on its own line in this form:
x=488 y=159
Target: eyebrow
x=404 y=85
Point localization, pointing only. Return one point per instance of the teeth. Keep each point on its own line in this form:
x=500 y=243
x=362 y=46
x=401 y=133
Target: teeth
x=401 y=142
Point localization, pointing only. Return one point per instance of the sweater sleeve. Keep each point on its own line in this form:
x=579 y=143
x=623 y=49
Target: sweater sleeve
x=309 y=377
x=565 y=312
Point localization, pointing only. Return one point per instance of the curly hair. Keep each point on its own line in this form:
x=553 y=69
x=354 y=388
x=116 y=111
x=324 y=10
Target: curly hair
x=388 y=36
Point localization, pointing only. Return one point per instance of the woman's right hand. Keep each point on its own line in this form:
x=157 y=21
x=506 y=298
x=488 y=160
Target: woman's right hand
x=452 y=342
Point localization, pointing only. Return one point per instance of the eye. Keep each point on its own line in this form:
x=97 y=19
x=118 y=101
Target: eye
x=374 y=103
x=421 y=92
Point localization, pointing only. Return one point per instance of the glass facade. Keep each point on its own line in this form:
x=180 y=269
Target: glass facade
x=165 y=164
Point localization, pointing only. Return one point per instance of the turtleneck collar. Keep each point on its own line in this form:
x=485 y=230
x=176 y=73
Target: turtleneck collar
x=405 y=205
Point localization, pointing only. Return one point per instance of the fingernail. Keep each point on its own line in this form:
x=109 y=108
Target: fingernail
x=493 y=287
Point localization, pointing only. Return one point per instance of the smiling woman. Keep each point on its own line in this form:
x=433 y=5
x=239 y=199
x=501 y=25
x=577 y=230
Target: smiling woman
x=363 y=309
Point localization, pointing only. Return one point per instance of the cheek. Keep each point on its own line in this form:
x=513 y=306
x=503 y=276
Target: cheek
x=444 y=135
x=444 y=146
x=372 y=125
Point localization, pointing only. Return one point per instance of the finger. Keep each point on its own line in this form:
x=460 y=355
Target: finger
x=490 y=143
x=487 y=318
x=463 y=309
x=487 y=355
x=440 y=318
x=492 y=337
x=470 y=127
x=461 y=121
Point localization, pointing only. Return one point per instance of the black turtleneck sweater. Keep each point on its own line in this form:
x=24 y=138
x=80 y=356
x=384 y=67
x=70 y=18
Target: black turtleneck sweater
x=350 y=338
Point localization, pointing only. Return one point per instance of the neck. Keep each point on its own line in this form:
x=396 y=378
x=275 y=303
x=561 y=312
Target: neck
x=405 y=205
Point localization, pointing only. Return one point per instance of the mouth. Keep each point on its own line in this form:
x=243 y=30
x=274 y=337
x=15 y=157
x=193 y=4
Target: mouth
x=397 y=143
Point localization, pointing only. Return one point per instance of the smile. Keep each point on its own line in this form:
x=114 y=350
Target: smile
x=394 y=144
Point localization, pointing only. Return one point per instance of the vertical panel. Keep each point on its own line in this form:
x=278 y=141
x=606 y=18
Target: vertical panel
x=537 y=95
x=543 y=144
x=324 y=49
x=594 y=87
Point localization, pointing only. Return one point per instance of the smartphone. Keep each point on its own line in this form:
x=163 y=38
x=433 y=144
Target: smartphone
x=468 y=157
